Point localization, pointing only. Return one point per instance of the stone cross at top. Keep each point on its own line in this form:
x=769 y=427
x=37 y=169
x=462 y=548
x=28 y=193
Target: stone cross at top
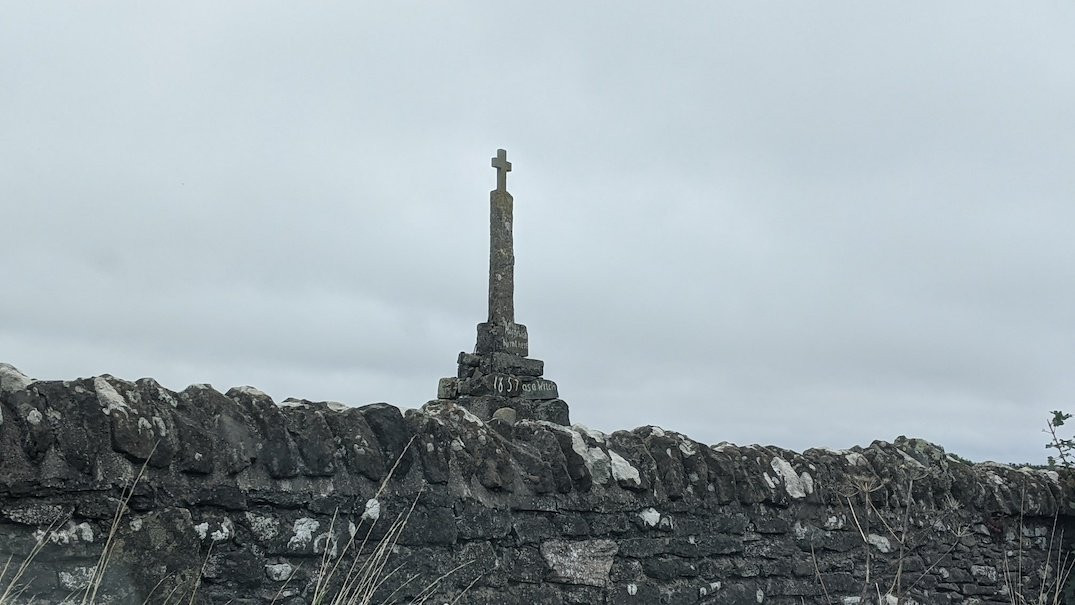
x=503 y=167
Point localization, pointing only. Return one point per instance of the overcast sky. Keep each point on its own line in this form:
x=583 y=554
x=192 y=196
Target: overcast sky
x=791 y=223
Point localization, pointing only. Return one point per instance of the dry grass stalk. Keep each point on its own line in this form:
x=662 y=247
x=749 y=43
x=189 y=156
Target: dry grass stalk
x=13 y=590
x=365 y=576
x=89 y=597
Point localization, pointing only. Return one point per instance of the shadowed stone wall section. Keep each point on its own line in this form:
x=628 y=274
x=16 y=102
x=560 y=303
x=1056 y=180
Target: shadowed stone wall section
x=540 y=513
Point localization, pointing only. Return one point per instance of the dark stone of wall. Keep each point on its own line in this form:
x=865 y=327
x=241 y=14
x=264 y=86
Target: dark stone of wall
x=243 y=496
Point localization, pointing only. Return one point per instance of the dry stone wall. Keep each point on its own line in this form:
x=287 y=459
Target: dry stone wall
x=245 y=499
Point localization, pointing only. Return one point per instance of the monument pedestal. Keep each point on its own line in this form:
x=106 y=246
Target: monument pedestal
x=487 y=382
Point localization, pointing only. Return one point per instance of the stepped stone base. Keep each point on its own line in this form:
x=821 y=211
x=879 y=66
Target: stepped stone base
x=500 y=376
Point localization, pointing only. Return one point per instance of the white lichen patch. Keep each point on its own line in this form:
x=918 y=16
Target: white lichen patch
x=226 y=531
x=292 y=403
x=336 y=406
x=793 y=483
x=632 y=589
x=705 y=590
x=595 y=459
x=77 y=578
x=650 y=517
x=856 y=459
x=69 y=534
x=135 y=524
x=144 y=424
x=881 y=543
x=109 y=399
x=687 y=447
x=165 y=396
x=265 y=528
x=34 y=417
x=760 y=596
x=468 y=416
x=799 y=530
x=596 y=435
x=835 y=522
x=1034 y=472
x=304 y=530
x=769 y=480
x=35 y=514
x=11 y=379
x=587 y=563
x=253 y=392
x=372 y=511
x=910 y=459
x=202 y=529
x=162 y=428
x=623 y=471
x=279 y=572
x=325 y=543
x=984 y=572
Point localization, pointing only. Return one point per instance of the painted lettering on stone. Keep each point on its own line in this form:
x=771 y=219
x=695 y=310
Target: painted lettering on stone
x=506 y=385
x=539 y=386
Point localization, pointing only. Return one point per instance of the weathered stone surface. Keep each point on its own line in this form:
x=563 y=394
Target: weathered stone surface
x=539 y=389
x=501 y=260
x=499 y=385
x=552 y=410
x=512 y=364
x=510 y=338
x=586 y=562
x=448 y=388
x=505 y=415
x=12 y=380
x=534 y=511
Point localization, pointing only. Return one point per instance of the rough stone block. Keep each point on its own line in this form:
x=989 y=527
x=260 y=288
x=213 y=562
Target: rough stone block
x=507 y=415
x=511 y=338
x=514 y=364
x=469 y=359
x=483 y=406
x=587 y=562
x=553 y=410
x=502 y=385
x=448 y=388
x=539 y=389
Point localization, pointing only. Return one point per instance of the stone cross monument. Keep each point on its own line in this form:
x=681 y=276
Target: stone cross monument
x=498 y=379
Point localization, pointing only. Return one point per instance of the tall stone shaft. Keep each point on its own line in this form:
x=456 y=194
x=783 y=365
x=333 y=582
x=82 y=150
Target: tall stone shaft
x=500 y=334
x=501 y=260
